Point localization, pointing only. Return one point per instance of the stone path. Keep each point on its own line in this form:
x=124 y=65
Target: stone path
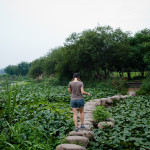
x=132 y=91
x=79 y=140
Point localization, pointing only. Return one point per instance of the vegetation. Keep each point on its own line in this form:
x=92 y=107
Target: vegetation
x=36 y=115
x=95 y=53
x=132 y=126
x=100 y=114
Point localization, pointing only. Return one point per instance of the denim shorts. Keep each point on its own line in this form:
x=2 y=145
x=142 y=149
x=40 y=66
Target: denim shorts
x=77 y=103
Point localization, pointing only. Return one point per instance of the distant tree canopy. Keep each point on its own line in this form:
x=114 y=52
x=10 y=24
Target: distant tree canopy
x=20 y=69
x=95 y=53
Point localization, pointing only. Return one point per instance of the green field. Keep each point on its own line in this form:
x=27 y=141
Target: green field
x=37 y=115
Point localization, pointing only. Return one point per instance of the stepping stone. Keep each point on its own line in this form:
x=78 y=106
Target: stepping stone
x=116 y=97
x=81 y=140
x=110 y=119
x=105 y=124
x=88 y=111
x=89 y=119
x=85 y=123
x=87 y=127
x=123 y=96
x=69 y=147
x=88 y=134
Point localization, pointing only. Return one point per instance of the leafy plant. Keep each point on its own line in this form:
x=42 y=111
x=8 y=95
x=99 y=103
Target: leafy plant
x=100 y=114
x=145 y=88
x=10 y=95
x=132 y=126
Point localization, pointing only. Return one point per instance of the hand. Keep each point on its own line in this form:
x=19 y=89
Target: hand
x=88 y=94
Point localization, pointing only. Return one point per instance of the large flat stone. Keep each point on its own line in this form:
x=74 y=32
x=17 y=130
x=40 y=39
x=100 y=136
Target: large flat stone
x=115 y=97
x=123 y=96
x=87 y=127
x=105 y=124
x=86 y=123
x=88 y=134
x=89 y=119
x=69 y=147
x=81 y=140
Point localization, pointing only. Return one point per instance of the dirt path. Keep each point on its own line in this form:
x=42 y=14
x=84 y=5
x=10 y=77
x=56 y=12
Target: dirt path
x=132 y=91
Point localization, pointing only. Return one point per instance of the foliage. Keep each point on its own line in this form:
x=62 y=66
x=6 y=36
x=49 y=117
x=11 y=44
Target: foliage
x=20 y=69
x=36 y=68
x=100 y=114
x=41 y=114
x=118 y=83
x=145 y=87
x=132 y=126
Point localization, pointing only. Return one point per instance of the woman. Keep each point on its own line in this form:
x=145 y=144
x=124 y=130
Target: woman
x=77 y=101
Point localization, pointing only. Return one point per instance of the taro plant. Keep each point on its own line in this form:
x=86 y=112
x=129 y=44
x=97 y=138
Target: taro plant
x=100 y=114
x=10 y=95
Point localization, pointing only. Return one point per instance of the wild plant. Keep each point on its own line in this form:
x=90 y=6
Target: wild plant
x=11 y=94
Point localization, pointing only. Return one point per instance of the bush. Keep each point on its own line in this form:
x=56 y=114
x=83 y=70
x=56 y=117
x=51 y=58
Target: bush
x=145 y=88
x=100 y=114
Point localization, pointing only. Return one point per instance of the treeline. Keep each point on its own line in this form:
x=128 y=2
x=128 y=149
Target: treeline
x=95 y=53
x=20 y=69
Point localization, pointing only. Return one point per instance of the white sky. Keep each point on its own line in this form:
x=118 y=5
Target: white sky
x=30 y=28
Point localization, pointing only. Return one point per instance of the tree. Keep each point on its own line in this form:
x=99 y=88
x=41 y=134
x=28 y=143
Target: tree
x=140 y=46
x=36 y=68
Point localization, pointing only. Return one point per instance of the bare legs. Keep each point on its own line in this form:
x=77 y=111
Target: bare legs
x=75 y=116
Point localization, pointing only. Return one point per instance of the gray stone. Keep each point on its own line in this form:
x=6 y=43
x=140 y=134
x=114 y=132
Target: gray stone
x=69 y=147
x=109 y=101
x=132 y=93
x=87 y=127
x=110 y=119
x=116 y=97
x=88 y=134
x=89 y=119
x=123 y=96
x=105 y=124
x=85 y=123
x=103 y=101
x=81 y=140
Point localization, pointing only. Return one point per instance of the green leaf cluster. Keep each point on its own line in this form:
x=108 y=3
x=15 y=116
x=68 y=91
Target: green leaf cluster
x=100 y=114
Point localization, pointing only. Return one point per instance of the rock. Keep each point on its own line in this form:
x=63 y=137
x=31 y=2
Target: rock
x=69 y=147
x=110 y=119
x=88 y=111
x=105 y=124
x=81 y=140
x=88 y=134
x=116 y=97
x=89 y=107
x=87 y=127
x=85 y=123
x=109 y=101
x=123 y=96
x=88 y=115
x=96 y=100
x=103 y=101
x=91 y=104
x=89 y=119
x=132 y=93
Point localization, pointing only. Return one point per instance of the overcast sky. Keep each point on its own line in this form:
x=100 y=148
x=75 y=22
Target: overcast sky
x=30 y=28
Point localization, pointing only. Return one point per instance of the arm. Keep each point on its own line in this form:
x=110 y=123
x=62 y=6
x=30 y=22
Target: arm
x=83 y=92
x=69 y=90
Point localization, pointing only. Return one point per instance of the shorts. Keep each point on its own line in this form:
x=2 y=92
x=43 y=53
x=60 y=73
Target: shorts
x=77 y=103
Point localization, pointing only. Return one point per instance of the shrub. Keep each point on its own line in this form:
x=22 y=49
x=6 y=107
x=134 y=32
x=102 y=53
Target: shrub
x=100 y=114
x=145 y=88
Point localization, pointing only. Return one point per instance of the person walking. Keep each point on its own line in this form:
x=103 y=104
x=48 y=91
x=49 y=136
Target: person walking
x=76 y=87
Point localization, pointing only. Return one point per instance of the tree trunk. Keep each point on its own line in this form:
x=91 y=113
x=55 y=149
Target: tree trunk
x=129 y=75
